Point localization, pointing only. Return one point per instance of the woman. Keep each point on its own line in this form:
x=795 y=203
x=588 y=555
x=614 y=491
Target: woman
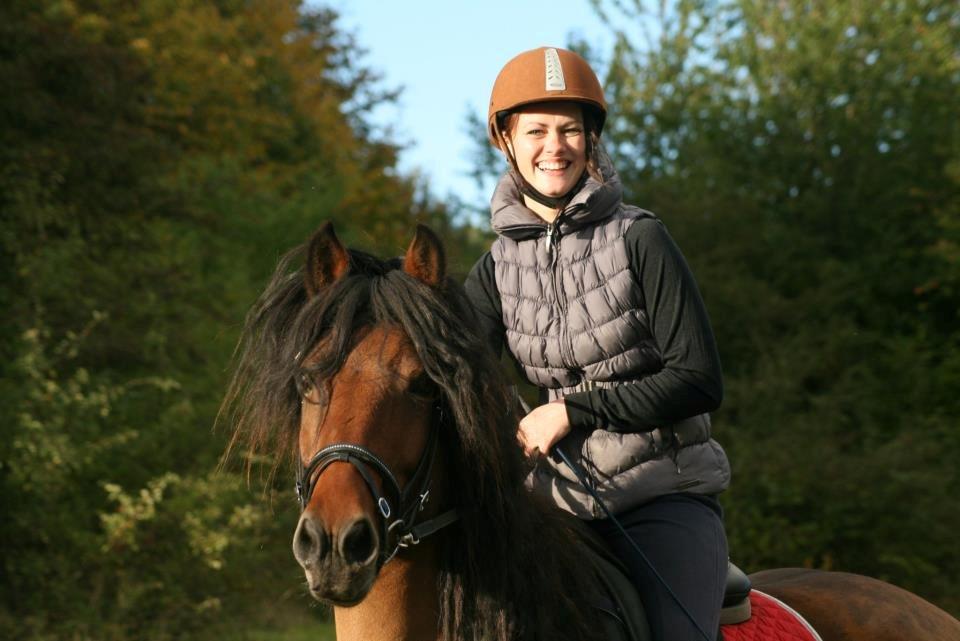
x=598 y=308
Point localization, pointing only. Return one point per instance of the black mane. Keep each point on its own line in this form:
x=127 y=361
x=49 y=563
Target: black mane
x=506 y=571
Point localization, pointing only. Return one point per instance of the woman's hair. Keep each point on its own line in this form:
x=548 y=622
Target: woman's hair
x=507 y=124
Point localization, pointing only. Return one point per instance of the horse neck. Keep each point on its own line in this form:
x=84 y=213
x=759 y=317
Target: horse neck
x=403 y=604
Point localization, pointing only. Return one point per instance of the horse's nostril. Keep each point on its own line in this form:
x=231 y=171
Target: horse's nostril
x=309 y=542
x=358 y=543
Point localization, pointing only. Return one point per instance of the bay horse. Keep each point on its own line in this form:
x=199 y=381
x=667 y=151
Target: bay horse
x=415 y=521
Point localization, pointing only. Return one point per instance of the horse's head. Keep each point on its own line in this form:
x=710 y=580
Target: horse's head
x=366 y=370
x=368 y=422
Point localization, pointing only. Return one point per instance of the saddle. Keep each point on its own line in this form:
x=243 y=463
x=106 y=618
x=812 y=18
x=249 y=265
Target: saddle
x=623 y=616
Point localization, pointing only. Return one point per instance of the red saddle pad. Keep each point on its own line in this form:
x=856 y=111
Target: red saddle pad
x=770 y=620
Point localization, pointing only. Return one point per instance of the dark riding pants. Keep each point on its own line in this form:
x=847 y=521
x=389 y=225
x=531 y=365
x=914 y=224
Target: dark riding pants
x=683 y=537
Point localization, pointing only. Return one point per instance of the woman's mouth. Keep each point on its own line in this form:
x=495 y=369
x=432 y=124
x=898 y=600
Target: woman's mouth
x=553 y=166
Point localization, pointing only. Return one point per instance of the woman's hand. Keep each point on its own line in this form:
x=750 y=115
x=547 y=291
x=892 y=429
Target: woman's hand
x=543 y=427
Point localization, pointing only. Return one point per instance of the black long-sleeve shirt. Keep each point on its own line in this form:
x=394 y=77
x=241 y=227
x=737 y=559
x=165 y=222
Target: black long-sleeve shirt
x=690 y=382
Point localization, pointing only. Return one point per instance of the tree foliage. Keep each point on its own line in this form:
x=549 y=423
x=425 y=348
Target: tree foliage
x=156 y=159
x=805 y=154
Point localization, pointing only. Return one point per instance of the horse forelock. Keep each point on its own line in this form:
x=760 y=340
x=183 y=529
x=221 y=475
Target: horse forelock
x=288 y=332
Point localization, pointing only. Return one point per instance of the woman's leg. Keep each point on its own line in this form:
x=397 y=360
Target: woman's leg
x=682 y=536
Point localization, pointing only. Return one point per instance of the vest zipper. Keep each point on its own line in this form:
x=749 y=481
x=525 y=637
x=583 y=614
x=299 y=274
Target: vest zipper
x=551 y=228
x=553 y=237
x=553 y=251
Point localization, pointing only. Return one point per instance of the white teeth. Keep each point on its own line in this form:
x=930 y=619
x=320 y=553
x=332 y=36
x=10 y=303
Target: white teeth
x=547 y=166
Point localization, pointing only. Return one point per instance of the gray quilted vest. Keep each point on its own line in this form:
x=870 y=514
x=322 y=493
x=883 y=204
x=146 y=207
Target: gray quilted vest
x=575 y=319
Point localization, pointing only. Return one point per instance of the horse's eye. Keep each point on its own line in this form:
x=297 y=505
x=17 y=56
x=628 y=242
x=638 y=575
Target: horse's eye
x=307 y=387
x=422 y=386
x=305 y=383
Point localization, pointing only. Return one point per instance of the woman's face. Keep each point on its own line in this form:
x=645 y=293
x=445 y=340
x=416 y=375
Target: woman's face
x=550 y=146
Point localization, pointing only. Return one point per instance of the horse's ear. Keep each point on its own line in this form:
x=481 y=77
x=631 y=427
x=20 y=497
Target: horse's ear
x=327 y=259
x=425 y=259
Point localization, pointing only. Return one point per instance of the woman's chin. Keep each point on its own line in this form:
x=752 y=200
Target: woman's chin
x=554 y=188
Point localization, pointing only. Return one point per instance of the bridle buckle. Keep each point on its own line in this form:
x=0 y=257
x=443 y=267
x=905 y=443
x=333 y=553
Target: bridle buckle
x=408 y=540
x=384 y=507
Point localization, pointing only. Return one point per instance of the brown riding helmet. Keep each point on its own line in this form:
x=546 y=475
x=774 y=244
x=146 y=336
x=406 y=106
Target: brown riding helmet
x=541 y=75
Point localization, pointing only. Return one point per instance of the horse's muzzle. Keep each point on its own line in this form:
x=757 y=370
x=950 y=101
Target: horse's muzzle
x=340 y=566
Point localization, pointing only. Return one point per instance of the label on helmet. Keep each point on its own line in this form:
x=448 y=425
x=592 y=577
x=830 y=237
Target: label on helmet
x=555 y=81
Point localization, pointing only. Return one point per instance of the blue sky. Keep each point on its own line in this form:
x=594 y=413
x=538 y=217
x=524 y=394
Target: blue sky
x=446 y=56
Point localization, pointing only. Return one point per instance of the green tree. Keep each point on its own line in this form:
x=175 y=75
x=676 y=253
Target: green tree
x=805 y=155
x=156 y=159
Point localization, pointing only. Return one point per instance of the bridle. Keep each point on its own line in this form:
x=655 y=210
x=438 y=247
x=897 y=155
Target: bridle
x=410 y=500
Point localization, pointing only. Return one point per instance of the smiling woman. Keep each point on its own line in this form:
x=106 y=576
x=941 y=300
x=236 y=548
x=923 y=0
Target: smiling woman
x=598 y=308
x=549 y=147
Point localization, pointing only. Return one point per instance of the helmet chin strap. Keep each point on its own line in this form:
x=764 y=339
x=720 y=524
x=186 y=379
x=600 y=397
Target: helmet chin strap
x=554 y=202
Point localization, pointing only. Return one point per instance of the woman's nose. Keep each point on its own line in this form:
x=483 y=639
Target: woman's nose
x=554 y=141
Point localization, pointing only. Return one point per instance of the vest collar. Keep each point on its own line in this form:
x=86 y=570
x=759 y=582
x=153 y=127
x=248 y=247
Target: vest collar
x=594 y=202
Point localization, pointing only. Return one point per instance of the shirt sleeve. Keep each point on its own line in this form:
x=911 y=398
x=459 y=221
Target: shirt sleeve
x=481 y=290
x=691 y=381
